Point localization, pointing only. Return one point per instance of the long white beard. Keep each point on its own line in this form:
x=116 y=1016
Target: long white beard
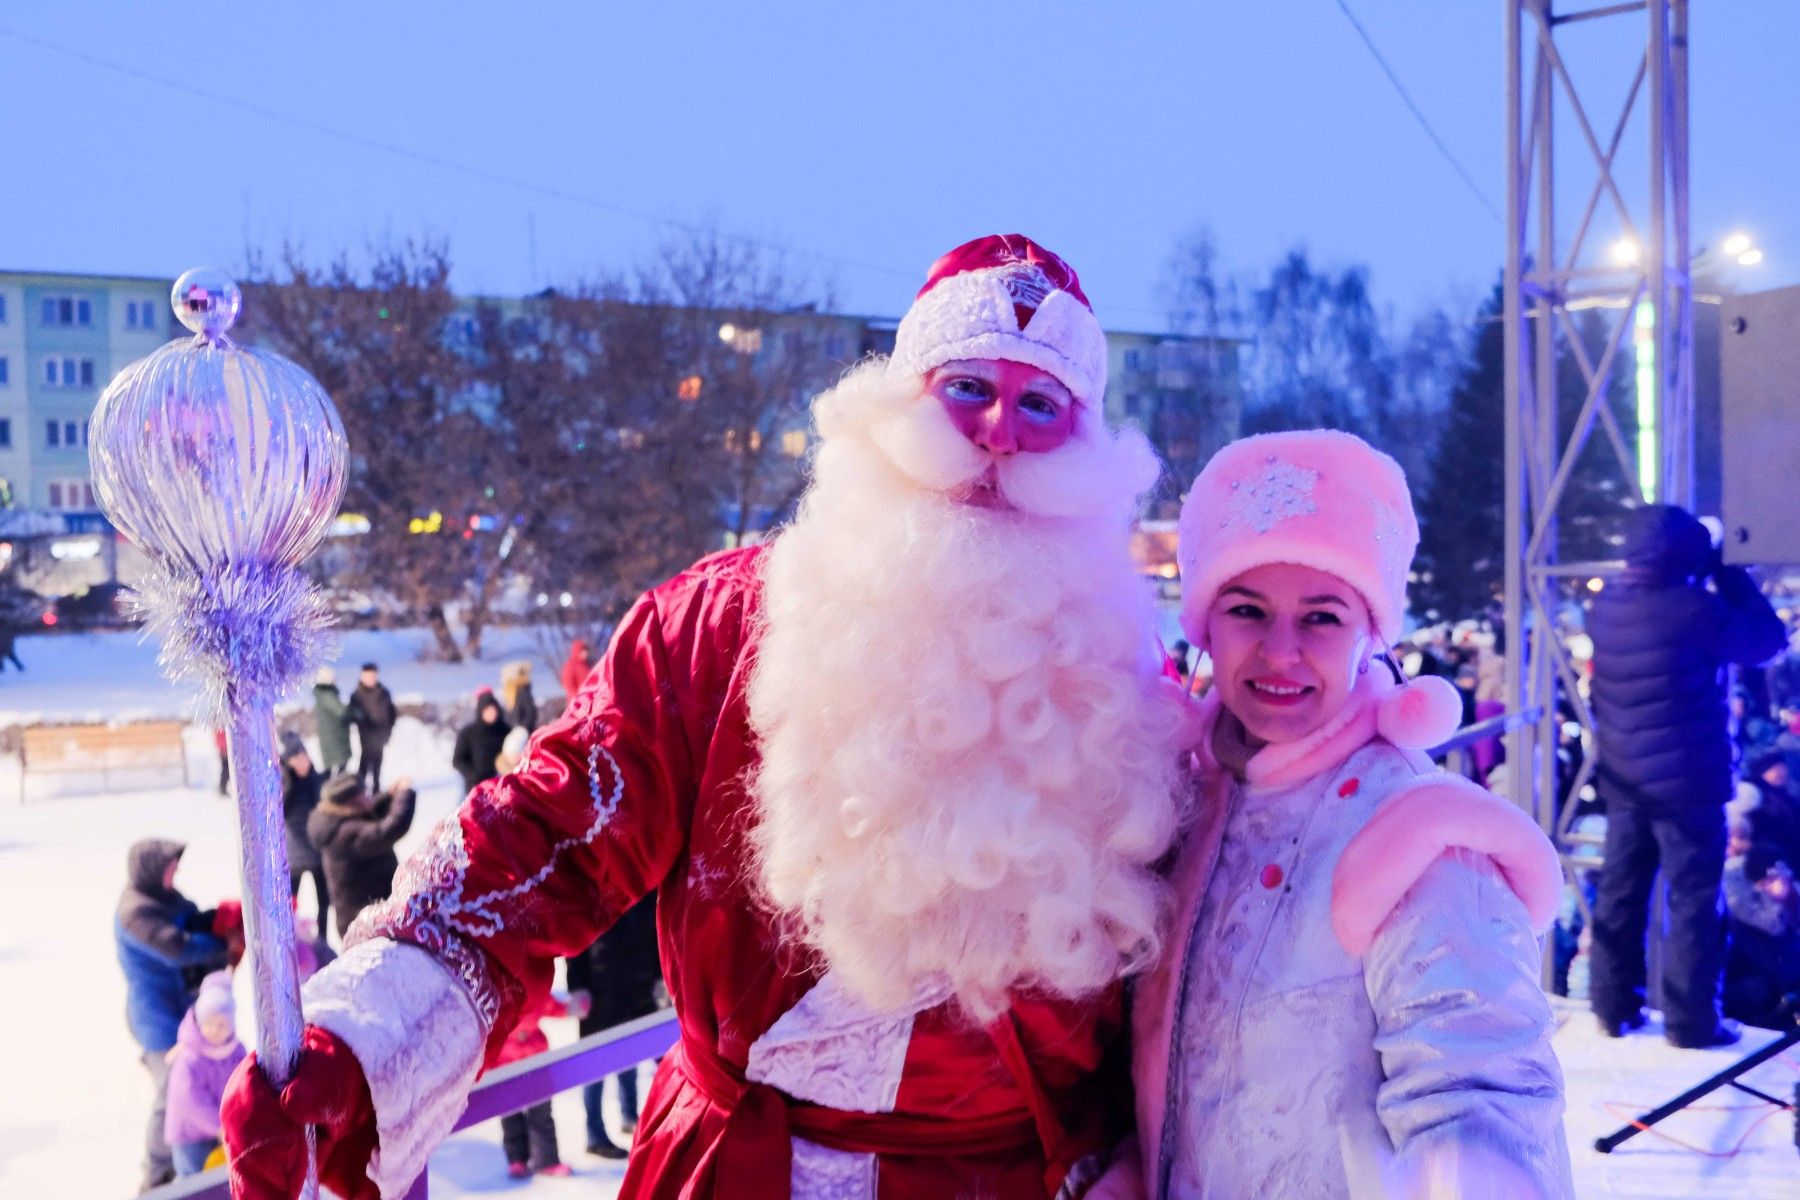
x=968 y=752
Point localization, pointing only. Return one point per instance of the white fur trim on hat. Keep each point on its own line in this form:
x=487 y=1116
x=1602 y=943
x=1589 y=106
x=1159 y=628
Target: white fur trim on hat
x=971 y=316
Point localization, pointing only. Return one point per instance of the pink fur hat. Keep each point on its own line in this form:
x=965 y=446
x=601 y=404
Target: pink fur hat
x=1316 y=498
x=1005 y=297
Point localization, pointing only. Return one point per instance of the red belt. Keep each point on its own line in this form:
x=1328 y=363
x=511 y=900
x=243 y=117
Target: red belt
x=755 y=1153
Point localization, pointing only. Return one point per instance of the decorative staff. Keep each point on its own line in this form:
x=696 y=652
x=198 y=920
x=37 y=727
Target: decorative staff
x=225 y=465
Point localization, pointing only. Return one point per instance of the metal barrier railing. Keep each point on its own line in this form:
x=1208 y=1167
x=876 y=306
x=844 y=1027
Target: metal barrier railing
x=509 y=1089
x=1455 y=749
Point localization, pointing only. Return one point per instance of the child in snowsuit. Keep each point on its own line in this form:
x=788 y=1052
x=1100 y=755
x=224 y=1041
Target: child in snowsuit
x=1348 y=1004
x=530 y=1136
x=206 y=1051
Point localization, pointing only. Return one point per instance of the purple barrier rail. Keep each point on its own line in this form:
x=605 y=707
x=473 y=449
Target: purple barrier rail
x=508 y=1089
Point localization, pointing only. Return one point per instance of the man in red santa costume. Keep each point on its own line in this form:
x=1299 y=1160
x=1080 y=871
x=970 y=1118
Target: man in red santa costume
x=899 y=779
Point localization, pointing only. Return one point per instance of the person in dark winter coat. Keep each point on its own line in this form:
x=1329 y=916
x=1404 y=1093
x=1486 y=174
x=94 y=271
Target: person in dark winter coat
x=478 y=744
x=576 y=668
x=1775 y=818
x=333 y=721
x=9 y=642
x=1662 y=644
x=163 y=939
x=299 y=796
x=1762 y=970
x=620 y=972
x=356 y=833
x=372 y=711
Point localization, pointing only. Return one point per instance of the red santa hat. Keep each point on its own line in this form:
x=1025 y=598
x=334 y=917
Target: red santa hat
x=1005 y=297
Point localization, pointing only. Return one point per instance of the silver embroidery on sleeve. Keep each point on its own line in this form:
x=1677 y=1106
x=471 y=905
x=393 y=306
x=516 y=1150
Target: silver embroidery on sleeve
x=430 y=910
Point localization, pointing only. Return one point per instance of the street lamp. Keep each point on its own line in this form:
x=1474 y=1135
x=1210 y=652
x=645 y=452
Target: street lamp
x=1736 y=246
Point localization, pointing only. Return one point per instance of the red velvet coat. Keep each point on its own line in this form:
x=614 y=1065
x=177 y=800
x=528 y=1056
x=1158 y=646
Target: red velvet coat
x=638 y=787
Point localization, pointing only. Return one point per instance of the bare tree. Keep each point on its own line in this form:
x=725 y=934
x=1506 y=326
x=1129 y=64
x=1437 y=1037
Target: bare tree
x=582 y=444
x=421 y=451
x=747 y=329
x=1194 y=397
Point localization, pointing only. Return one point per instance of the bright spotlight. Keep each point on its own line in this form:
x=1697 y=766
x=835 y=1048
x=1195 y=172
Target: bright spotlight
x=1625 y=252
x=1750 y=258
x=1736 y=244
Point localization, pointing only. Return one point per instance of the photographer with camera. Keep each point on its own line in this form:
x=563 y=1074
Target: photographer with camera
x=1663 y=644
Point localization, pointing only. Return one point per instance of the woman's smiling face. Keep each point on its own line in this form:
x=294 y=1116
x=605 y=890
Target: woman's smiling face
x=1287 y=643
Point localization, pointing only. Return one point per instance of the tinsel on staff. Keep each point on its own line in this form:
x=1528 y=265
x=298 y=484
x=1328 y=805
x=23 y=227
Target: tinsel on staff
x=225 y=465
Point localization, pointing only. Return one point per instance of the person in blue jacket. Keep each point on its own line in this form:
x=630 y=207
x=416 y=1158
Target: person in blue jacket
x=166 y=946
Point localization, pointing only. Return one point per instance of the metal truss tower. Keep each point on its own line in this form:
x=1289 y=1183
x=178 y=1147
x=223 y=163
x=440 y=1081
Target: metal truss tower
x=1556 y=264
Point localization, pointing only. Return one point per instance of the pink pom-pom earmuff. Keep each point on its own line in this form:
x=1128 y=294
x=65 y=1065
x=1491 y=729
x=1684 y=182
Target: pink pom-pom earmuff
x=1420 y=713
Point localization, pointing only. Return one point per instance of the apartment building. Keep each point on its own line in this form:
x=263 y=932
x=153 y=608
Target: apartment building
x=62 y=338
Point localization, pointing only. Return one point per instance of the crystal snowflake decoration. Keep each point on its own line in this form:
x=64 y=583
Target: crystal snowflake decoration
x=1390 y=538
x=1272 y=495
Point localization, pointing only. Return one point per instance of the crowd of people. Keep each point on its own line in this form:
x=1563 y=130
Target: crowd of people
x=1762 y=963
x=342 y=828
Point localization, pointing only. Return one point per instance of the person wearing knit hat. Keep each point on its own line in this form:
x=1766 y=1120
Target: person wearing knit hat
x=1337 y=892
x=901 y=778
x=206 y=1052
x=355 y=832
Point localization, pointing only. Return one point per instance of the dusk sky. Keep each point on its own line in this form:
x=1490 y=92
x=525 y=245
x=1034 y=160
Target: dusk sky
x=871 y=137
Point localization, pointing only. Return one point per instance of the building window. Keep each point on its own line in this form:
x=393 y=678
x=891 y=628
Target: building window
x=69 y=433
x=2 y=308
x=67 y=310
x=3 y=379
x=52 y=434
x=140 y=314
x=793 y=443
x=5 y=433
x=55 y=495
x=67 y=372
x=84 y=432
x=87 y=501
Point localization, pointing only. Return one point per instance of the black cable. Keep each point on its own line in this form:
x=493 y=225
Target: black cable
x=1417 y=113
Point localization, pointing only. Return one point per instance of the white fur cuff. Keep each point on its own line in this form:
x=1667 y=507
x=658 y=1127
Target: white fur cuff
x=419 y=1043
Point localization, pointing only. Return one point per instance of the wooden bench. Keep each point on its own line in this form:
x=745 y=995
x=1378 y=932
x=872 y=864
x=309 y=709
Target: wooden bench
x=105 y=750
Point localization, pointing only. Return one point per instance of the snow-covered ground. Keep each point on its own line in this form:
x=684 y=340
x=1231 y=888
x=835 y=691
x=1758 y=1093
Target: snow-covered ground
x=74 y=1100
x=113 y=676
x=72 y=1112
